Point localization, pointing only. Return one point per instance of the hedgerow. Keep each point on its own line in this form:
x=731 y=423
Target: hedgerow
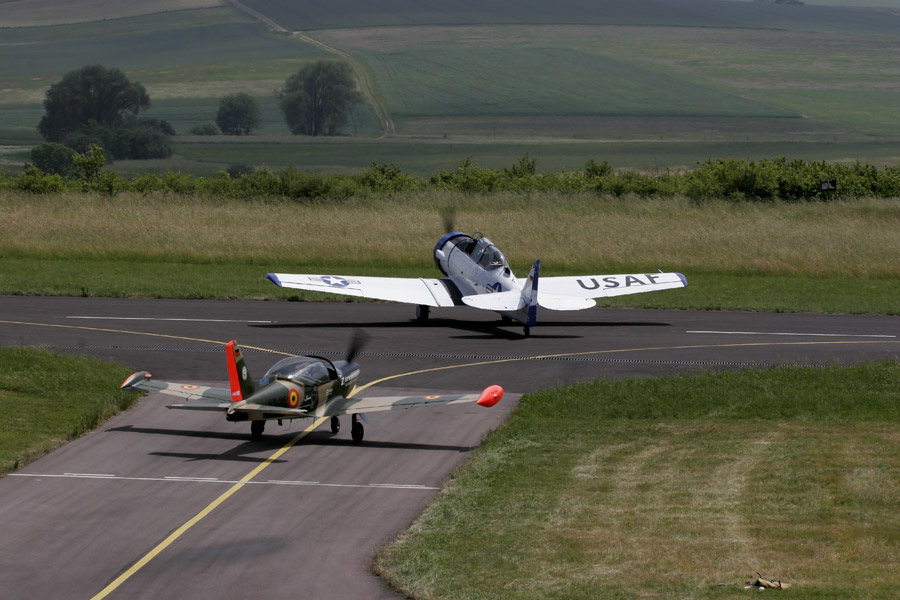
x=736 y=180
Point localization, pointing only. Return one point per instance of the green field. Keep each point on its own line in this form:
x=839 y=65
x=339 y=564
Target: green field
x=673 y=488
x=743 y=80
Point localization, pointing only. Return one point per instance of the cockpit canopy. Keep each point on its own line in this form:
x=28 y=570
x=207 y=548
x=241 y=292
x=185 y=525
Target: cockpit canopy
x=481 y=249
x=300 y=369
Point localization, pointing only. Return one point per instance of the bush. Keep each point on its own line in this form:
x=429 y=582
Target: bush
x=235 y=170
x=53 y=158
x=207 y=128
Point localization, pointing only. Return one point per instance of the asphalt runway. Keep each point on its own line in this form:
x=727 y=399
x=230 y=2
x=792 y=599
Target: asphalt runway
x=159 y=503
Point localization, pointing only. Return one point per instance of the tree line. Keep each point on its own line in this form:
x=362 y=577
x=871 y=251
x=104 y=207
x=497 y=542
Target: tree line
x=766 y=180
x=100 y=106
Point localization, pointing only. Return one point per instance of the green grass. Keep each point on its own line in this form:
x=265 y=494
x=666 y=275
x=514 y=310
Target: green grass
x=358 y=13
x=554 y=81
x=48 y=399
x=668 y=487
x=167 y=279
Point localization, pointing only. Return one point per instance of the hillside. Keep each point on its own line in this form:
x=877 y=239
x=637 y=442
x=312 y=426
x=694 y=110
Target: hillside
x=647 y=84
x=338 y=14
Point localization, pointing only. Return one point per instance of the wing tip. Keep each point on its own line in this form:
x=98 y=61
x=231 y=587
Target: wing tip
x=133 y=379
x=490 y=396
x=683 y=279
x=273 y=277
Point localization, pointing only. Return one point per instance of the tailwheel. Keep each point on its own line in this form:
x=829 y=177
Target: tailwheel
x=335 y=424
x=422 y=312
x=356 y=430
x=256 y=429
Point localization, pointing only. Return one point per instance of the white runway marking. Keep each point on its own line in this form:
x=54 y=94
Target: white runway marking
x=171 y=479
x=166 y=319
x=796 y=334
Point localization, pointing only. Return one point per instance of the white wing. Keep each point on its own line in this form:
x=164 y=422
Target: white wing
x=428 y=292
x=607 y=286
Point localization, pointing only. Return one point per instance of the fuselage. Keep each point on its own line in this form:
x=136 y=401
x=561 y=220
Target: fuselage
x=474 y=264
x=309 y=383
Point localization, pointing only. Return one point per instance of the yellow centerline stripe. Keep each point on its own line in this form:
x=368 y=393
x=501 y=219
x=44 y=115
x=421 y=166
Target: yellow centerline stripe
x=203 y=513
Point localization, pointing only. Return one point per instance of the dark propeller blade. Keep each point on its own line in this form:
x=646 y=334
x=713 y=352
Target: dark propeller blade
x=360 y=338
x=449 y=216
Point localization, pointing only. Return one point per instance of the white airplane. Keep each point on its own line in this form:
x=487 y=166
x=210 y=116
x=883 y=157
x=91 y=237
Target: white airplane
x=478 y=275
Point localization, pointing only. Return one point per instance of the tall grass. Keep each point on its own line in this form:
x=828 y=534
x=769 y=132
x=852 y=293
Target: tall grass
x=572 y=234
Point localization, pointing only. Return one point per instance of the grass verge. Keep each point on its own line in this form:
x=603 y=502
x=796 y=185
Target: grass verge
x=165 y=279
x=668 y=487
x=48 y=399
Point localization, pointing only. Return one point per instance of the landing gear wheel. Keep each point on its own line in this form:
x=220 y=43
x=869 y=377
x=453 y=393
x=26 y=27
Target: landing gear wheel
x=422 y=312
x=505 y=320
x=356 y=430
x=527 y=331
x=335 y=424
x=256 y=429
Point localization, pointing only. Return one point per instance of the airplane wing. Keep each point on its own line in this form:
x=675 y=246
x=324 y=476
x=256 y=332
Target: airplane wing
x=427 y=292
x=604 y=286
x=208 y=398
x=489 y=397
x=142 y=381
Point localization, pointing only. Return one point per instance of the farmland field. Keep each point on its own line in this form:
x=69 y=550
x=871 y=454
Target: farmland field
x=697 y=80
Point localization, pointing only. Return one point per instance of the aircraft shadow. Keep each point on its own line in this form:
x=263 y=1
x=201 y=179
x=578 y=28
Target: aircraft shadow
x=234 y=454
x=183 y=432
x=325 y=438
x=479 y=330
x=231 y=456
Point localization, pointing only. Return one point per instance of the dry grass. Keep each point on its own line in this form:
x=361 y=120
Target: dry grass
x=856 y=239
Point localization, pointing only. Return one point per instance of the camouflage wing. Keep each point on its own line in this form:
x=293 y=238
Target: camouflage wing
x=350 y=406
x=209 y=398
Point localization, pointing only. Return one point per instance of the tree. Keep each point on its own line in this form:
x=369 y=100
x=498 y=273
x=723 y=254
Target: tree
x=238 y=114
x=92 y=94
x=318 y=98
x=98 y=106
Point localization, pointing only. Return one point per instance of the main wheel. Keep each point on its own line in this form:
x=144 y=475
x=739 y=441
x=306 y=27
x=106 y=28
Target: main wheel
x=422 y=312
x=256 y=429
x=527 y=331
x=335 y=424
x=356 y=431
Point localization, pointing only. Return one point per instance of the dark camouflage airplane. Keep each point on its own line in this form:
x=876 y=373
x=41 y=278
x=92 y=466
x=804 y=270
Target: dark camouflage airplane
x=294 y=388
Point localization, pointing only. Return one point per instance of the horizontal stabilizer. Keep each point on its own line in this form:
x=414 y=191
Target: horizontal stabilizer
x=500 y=301
x=554 y=302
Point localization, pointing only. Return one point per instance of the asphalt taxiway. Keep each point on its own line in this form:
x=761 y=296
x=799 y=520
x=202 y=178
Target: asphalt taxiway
x=160 y=503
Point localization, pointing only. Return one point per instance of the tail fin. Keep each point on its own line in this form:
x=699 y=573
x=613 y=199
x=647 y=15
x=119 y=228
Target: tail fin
x=530 y=294
x=242 y=385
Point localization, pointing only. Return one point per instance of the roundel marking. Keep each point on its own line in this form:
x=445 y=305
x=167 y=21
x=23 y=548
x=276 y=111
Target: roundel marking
x=244 y=372
x=431 y=397
x=335 y=281
x=190 y=387
x=293 y=399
